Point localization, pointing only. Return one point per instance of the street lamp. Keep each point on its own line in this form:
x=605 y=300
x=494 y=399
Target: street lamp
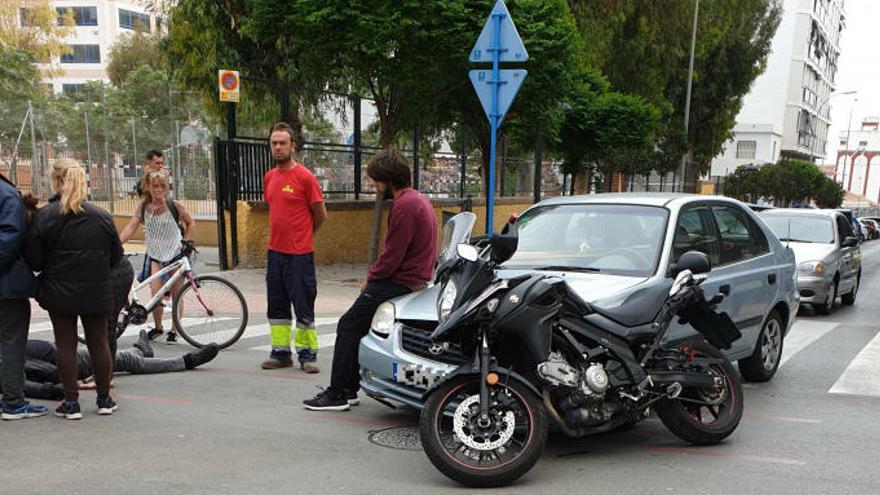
x=816 y=121
x=848 y=130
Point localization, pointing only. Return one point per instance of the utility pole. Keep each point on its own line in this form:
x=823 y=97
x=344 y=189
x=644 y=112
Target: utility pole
x=687 y=101
x=35 y=181
x=134 y=142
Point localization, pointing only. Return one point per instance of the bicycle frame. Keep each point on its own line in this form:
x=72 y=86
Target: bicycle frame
x=181 y=267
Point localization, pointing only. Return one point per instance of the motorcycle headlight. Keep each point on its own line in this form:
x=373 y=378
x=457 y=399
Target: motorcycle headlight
x=812 y=267
x=446 y=300
x=383 y=319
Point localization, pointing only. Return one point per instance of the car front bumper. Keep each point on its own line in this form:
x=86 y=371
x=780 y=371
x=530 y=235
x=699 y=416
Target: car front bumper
x=814 y=289
x=388 y=371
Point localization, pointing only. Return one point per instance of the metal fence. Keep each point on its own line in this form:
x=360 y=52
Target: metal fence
x=113 y=164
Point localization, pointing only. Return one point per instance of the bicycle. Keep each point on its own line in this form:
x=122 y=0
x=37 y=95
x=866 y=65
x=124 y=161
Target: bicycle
x=217 y=308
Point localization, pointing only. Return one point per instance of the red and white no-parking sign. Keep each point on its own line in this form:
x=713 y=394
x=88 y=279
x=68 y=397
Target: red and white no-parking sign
x=229 y=85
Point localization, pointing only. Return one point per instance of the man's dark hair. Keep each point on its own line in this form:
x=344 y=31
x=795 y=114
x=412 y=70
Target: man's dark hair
x=285 y=127
x=153 y=154
x=389 y=165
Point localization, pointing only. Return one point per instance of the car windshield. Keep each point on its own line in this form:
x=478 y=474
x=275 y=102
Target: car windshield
x=614 y=239
x=801 y=228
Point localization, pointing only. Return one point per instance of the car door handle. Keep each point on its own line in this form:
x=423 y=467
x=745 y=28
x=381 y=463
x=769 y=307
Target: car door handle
x=771 y=278
x=724 y=289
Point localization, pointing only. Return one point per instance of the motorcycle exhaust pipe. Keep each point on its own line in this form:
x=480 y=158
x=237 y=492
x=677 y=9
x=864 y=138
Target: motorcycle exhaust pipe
x=551 y=410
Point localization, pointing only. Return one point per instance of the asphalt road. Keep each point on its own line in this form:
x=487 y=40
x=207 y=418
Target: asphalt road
x=232 y=428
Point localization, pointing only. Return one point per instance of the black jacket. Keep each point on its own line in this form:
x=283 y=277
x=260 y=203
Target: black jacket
x=73 y=254
x=16 y=278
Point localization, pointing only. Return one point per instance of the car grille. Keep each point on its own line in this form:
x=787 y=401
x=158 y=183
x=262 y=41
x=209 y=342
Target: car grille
x=418 y=341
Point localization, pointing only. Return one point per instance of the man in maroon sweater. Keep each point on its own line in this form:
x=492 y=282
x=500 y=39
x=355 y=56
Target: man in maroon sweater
x=405 y=265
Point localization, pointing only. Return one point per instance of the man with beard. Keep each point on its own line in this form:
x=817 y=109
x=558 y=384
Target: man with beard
x=296 y=212
x=405 y=265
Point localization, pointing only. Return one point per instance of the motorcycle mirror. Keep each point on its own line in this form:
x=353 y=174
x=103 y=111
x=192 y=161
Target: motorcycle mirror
x=467 y=252
x=695 y=262
x=503 y=246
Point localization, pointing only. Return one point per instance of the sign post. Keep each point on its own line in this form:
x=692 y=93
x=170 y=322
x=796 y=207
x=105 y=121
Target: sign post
x=496 y=88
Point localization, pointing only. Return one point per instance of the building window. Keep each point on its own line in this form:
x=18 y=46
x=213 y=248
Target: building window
x=82 y=54
x=82 y=16
x=72 y=89
x=863 y=143
x=746 y=149
x=843 y=142
x=134 y=20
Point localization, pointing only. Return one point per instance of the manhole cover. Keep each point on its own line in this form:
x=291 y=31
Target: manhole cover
x=398 y=437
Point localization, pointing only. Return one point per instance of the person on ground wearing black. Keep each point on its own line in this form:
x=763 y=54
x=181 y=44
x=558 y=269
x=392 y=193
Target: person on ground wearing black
x=405 y=265
x=43 y=382
x=16 y=287
x=74 y=244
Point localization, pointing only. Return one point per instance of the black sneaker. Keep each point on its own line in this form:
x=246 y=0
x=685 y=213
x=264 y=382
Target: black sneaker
x=171 y=338
x=352 y=398
x=327 y=400
x=197 y=358
x=155 y=333
x=143 y=344
x=69 y=410
x=106 y=406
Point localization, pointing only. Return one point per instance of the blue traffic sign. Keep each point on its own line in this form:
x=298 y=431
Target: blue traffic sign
x=511 y=45
x=498 y=42
x=509 y=80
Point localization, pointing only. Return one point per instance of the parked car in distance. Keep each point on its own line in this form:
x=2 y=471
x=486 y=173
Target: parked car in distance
x=873 y=228
x=827 y=253
x=759 y=208
x=615 y=251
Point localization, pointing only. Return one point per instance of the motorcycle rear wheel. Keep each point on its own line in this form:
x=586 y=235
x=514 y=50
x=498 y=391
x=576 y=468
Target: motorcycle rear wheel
x=705 y=416
x=483 y=457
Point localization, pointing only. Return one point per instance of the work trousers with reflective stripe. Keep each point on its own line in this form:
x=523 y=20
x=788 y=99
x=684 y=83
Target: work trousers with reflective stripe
x=291 y=282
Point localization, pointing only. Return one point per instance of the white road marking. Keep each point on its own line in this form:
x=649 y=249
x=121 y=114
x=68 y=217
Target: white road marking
x=862 y=376
x=801 y=335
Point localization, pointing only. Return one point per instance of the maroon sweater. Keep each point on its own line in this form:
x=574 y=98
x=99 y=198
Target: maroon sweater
x=410 y=243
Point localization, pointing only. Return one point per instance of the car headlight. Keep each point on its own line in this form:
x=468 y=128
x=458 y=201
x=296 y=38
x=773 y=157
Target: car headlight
x=383 y=319
x=446 y=300
x=812 y=267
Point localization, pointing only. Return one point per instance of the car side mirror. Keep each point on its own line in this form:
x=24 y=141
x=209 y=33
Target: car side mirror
x=693 y=261
x=850 y=241
x=467 y=252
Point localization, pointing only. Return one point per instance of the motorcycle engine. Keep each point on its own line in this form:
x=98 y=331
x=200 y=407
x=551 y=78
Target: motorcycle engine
x=581 y=391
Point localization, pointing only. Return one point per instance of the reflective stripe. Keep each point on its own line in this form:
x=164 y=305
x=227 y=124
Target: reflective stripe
x=280 y=335
x=306 y=338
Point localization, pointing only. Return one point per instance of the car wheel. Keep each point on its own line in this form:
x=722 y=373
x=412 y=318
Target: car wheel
x=826 y=307
x=850 y=299
x=764 y=361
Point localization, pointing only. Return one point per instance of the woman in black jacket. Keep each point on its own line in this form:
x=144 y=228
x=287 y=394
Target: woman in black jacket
x=73 y=244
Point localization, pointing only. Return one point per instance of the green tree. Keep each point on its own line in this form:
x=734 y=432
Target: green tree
x=133 y=51
x=642 y=46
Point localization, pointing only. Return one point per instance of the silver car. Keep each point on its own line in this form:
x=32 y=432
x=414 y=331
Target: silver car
x=827 y=253
x=615 y=251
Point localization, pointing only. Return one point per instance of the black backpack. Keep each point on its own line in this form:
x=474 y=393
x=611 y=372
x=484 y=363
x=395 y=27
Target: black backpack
x=169 y=203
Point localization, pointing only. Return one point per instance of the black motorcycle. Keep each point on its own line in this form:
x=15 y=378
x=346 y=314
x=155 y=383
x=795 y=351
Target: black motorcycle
x=535 y=352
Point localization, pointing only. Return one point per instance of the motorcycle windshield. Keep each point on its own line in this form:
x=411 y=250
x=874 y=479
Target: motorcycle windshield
x=457 y=230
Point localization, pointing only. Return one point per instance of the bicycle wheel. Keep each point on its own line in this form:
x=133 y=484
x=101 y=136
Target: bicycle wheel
x=212 y=311
x=80 y=335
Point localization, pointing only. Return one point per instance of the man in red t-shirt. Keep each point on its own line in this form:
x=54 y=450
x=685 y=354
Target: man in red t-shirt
x=405 y=265
x=296 y=212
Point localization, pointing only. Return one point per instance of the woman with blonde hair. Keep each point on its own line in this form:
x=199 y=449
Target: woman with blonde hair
x=162 y=219
x=74 y=244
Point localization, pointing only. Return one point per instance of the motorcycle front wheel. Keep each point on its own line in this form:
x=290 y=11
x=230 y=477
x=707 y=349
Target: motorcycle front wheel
x=705 y=416
x=483 y=453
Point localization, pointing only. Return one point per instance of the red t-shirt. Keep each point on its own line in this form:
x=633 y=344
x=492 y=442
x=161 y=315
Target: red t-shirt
x=290 y=195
